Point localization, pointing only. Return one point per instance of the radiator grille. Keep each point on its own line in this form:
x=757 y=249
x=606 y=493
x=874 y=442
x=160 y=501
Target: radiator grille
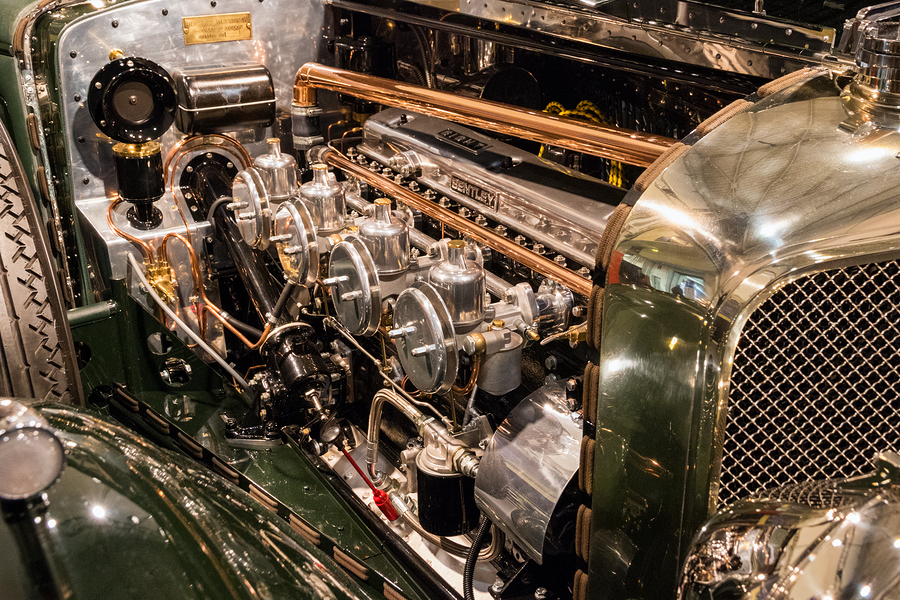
x=814 y=385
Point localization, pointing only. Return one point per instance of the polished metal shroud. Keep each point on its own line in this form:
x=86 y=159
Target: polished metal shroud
x=778 y=192
x=814 y=384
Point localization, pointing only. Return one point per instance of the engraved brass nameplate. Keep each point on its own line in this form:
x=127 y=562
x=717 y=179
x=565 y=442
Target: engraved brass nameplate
x=217 y=28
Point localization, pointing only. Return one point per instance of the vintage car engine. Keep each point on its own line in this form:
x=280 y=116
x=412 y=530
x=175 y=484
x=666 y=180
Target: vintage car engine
x=494 y=298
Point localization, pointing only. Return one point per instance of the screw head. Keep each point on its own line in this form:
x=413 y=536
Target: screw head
x=114 y=24
x=73 y=54
x=165 y=11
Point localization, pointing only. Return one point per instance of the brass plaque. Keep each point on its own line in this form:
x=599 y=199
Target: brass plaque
x=217 y=28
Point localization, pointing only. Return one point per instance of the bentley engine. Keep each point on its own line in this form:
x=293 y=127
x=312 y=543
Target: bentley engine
x=505 y=297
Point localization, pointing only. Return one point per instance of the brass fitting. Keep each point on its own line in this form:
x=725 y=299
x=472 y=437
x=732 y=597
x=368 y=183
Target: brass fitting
x=160 y=277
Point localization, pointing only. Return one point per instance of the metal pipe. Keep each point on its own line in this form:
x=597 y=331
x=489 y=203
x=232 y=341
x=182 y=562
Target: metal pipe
x=505 y=246
x=374 y=431
x=623 y=145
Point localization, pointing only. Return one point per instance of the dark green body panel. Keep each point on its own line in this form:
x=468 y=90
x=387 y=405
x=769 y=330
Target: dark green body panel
x=130 y=520
x=649 y=424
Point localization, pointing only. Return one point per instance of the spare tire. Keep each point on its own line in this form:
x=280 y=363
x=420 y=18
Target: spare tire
x=37 y=355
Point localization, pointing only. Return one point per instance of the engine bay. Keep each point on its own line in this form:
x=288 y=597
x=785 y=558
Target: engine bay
x=395 y=289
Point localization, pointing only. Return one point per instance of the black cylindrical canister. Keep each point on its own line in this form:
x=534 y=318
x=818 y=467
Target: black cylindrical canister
x=140 y=181
x=446 y=501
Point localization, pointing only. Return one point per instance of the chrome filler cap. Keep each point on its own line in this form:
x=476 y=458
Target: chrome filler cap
x=874 y=94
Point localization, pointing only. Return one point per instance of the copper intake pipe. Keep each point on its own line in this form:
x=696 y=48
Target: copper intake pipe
x=624 y=145
x=505 y=246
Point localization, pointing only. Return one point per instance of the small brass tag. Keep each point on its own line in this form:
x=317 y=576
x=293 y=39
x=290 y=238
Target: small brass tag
x=217 y=28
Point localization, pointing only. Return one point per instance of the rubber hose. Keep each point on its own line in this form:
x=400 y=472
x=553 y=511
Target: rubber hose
x=472 y=558
x=243 y=327
x=286 y=294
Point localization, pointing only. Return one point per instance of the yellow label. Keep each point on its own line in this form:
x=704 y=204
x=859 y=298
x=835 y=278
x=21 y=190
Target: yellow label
x=217 y=28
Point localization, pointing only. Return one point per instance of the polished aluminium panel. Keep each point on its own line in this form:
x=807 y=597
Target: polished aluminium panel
x=527 y=465
x=774 y=192
x=285 y=34
x=672 y=30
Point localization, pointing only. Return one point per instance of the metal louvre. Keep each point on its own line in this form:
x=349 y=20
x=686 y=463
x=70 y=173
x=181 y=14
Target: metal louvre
x=814 y=385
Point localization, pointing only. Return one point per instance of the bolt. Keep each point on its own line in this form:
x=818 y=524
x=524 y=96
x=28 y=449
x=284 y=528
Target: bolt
x=541 y=594
x=165 y=11
x=85 y=181
x=335 y=280
x=560 y=260
x=497 y=585
x=213 y=3
x=539 y=249
x=77 y=97
x=73 y=54
x=400 y=332
x=423 y=350
x=81 y=139
x=349 y=296
x=571 y=384
x=551 y=363
x=114 y=24
x=190 y=169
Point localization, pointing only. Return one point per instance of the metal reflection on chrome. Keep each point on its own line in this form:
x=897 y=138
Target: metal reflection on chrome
x=784 y=550
x=527 y=466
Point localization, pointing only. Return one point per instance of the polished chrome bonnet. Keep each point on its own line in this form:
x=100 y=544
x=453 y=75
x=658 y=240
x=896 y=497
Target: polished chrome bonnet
x=776 y=192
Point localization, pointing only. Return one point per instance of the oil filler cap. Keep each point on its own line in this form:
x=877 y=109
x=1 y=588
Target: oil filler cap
x=132 y=100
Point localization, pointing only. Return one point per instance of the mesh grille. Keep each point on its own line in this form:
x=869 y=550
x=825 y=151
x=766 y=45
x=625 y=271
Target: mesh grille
x=814 y=386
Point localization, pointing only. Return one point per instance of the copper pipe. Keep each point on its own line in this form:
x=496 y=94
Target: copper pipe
x=623 y=145
x=190 y=143
x=207 y=303
x=197 y=277
x=146 y=250
x=505 y=246
x=473 y=377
